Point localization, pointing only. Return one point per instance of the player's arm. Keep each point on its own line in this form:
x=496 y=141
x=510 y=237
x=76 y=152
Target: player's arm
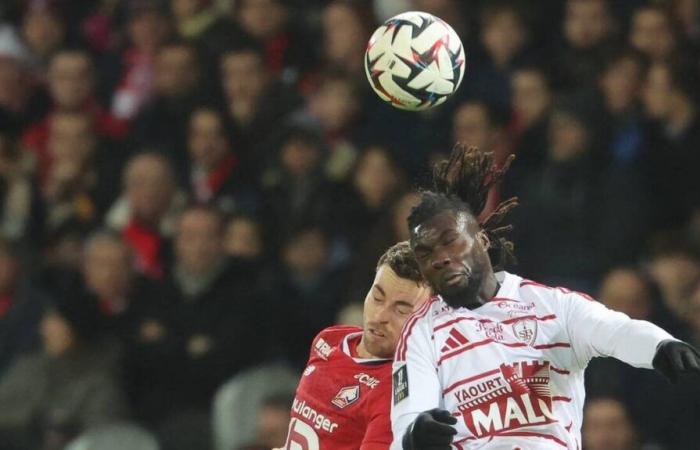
x=595 y=330
x=416 y=390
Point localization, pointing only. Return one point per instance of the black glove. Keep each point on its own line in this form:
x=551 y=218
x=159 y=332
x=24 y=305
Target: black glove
x=674 y=358
x=432 y=430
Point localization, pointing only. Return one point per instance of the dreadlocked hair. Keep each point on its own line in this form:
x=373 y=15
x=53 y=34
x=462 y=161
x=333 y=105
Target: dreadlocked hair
x=462 y=183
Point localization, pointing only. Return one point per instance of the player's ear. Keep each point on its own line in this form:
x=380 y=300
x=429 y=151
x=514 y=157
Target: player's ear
x=483 y=237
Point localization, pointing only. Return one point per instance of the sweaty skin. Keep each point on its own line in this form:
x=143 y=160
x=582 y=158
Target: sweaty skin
x=454 y=260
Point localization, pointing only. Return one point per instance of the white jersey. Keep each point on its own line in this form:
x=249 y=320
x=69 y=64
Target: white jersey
x=511 y=370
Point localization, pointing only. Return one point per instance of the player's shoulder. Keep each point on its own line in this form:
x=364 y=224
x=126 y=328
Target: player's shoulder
x=334 y=335
x=530 y=289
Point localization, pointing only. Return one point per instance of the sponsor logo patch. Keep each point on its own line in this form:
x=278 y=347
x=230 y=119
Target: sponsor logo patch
x=346 y=396
x=323 y=349
x=400 y=379
x=367 y=380
x=309 y=370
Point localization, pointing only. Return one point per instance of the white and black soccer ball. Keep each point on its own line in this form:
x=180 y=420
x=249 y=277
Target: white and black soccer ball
x=414 y=61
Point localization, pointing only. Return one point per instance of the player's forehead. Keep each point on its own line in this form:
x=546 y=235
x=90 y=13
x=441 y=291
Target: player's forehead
x=448 y=220
x=392 y=287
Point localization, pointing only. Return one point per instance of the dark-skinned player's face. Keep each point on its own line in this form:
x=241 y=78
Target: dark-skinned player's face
x=451 y=256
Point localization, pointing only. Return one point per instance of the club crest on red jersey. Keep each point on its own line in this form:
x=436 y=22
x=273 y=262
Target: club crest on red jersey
x=346 y=396
x=526 y=331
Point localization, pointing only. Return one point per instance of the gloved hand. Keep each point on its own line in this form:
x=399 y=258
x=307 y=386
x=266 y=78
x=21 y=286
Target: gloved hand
x=674 y=358
x=432 y=430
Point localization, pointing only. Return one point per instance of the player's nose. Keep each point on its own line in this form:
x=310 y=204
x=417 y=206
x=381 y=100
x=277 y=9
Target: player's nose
x=440 y=262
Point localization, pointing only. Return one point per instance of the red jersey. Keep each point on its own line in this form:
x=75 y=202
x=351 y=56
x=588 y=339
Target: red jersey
x=342 y=402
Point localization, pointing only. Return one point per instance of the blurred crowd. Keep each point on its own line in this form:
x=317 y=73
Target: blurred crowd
x=191 y=189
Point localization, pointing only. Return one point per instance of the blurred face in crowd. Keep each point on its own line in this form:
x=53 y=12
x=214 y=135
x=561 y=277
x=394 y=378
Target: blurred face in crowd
x=471 y=125
x=306 y=254
x=568 y=137
x=70 y=79
x=687 y=13
x=14 y=84
x=402 y=209
x=376 y=177
x=150 y=186
x=9 y=269
x=262 y=18
x=335 y=104
x=587 y=23
x=652 y=34
x=300 y=157
x=148 y=29
x=676 y=276
x=243 y=238
x=176 y=71
x=503 y=35
x=344 y=35
x=71 y=138
x=388 y=304
x=244 y=79
x=531 y=96
x=658 y=92
x=186 y=9
x=198 y=243
x=107 y=267
x=620 y=84
x=606 y=426
x=43 y=31
x=626 y=291
x=272 y=425
x=56 y=334
x=207 y=141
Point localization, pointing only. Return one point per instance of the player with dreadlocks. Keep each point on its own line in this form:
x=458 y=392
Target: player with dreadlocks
x=496 y=361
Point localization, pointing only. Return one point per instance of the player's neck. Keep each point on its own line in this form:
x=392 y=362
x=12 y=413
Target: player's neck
x=489 y=288
x=362 y=351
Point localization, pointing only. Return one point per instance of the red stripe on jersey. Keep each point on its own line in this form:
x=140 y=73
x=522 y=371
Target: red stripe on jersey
x=540 y=318
x=408 y=327
x=504 y=299
x=469 y=380
x=534 y=434
x=554 y=345
x=478 y=344
x=561 y=399
x=459 y=319
x=559 y=371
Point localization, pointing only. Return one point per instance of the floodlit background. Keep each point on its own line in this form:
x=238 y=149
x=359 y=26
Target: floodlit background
x=191 y=189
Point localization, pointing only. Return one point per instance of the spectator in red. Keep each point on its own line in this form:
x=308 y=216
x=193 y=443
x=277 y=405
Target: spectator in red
x=147 y=211
x=147 y=29
x=71 y=84
x=216 y=174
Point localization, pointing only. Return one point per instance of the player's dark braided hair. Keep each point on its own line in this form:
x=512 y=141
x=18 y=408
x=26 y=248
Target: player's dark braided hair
x=462 y=183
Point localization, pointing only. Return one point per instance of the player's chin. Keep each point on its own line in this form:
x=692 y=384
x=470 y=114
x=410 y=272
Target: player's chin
x=380 y=347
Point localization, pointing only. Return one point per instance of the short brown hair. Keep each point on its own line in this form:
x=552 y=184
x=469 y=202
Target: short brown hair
x=401 y=259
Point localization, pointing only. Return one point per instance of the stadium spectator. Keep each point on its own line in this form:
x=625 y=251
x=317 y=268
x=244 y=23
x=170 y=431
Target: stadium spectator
x=588 y=28
x=244 y=238
x=476 y=124
x=17 y=83
x=44 y=30
x=21 y=307
x=620 y=83
x=675 y=270
x=653 y=33
x=162 y=123
x=668 y=98
x=347 y=27
x=273 y=422
x=71 y=85
x=51 y=395
x=147 y=29
x=146 y=212
x=217 y=174
x=608 y=426
x=207 y=313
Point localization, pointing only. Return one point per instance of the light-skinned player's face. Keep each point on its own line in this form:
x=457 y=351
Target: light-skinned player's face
x=388 y=304
x=451 y=257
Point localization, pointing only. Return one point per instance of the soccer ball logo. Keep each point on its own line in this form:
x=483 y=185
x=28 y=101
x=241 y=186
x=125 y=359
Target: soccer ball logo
x=414 y=61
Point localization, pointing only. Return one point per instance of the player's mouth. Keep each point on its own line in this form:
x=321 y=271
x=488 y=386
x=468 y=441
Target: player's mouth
x=376 y=333
x=453 y=278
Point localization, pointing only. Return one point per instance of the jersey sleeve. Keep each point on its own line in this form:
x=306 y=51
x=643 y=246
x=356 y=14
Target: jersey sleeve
x=595 y=330
x=415 y=382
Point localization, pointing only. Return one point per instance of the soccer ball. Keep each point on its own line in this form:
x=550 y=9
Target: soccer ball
x=414 y=61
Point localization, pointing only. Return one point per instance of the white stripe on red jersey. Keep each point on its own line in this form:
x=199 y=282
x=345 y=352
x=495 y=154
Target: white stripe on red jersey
x=512 y=369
